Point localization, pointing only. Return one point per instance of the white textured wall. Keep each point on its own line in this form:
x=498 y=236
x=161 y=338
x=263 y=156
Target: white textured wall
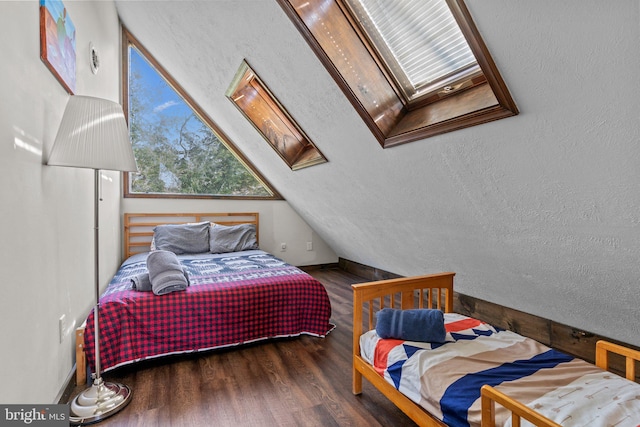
x=539 y=212
x=47 y=212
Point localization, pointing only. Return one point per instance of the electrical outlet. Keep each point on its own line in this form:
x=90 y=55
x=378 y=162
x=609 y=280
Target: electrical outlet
x=283 y=247
x=309 y=246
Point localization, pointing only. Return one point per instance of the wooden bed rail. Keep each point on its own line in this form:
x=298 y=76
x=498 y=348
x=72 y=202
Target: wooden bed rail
x=428 y=291
x=490 y=396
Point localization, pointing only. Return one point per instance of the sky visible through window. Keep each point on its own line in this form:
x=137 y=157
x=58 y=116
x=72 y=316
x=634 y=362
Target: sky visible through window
x=177 y=152
x=166 y=100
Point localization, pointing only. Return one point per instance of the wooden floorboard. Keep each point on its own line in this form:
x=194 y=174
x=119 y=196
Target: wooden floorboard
x=303 y=381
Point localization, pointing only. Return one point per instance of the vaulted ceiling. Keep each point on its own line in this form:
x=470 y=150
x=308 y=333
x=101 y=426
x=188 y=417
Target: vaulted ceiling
x=533 y=211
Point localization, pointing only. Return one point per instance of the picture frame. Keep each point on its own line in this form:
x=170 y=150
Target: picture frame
x=58 y=43
x=256 y=102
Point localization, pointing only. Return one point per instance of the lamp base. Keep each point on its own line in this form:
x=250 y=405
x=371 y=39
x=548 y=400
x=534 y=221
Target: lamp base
x=98 y=402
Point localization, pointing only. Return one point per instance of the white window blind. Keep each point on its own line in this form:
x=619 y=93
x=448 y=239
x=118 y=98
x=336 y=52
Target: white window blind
x=419 y=40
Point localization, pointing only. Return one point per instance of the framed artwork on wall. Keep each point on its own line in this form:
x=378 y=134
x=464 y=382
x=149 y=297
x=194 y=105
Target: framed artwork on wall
x=58 y=43
x=271 y=120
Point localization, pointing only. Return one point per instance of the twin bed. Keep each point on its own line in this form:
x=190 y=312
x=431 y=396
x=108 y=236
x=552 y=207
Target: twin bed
x=480 y=375
x=237 y=295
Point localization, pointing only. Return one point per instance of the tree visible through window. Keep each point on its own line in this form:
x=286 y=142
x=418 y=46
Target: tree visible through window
x=177 y=150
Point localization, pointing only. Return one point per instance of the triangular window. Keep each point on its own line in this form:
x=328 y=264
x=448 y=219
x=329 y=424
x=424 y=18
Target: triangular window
x=179 y=150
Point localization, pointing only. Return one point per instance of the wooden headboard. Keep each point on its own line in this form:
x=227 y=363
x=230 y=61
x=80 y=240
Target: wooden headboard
x=428 y=291
x=138 y=227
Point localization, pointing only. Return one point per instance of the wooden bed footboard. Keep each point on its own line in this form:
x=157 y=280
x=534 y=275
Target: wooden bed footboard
x=429 y=291
x=603 y=348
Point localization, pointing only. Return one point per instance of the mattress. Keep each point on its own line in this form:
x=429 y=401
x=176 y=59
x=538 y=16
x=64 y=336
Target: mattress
x=233 y=298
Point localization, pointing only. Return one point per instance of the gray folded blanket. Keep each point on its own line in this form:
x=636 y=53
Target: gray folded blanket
x=166 y=273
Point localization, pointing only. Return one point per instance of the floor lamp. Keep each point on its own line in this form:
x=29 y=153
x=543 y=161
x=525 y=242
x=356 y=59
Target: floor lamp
x=93 y=134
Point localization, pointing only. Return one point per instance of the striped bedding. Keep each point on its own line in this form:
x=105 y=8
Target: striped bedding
x=445 y=379
x=233 y=298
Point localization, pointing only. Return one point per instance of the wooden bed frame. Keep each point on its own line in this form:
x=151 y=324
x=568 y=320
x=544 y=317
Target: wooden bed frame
x=436 y=291
x=138 y=233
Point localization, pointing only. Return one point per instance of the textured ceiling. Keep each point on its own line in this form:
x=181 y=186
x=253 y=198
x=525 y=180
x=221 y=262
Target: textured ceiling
x=537 y=211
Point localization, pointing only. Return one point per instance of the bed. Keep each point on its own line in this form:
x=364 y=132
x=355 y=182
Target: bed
x=233 y=296
x=479 y=374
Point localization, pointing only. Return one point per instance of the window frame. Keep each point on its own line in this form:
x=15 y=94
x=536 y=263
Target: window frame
x=269 y=117
x=128 y=39
x=381 y=105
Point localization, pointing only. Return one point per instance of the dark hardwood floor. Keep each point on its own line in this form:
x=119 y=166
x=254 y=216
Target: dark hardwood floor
x=304 y=381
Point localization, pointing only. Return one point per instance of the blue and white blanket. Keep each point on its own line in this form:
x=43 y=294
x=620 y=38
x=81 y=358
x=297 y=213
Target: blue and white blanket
x=446 y=378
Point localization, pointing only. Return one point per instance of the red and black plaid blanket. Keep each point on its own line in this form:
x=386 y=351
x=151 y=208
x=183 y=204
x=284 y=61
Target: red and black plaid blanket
x=232 y=299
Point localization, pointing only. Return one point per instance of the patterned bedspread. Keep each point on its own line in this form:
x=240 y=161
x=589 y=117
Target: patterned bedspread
x=445 y=379
x=232 y=299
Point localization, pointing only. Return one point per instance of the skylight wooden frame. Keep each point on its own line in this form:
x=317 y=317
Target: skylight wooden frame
x=336 y=39
x=267 y=115
x=128 y=39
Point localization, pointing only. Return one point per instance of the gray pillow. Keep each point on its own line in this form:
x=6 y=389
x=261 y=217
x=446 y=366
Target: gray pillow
x=232 y=238
x=182 y=238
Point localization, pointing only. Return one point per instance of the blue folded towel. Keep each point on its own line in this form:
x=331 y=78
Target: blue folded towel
x=166 y=273
x=424 y=325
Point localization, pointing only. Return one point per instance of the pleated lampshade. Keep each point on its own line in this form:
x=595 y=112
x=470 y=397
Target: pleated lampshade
x=93 y=134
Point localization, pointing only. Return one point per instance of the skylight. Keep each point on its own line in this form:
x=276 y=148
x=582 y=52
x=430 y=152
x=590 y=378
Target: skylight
x=419 y=41
x=412 y=69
